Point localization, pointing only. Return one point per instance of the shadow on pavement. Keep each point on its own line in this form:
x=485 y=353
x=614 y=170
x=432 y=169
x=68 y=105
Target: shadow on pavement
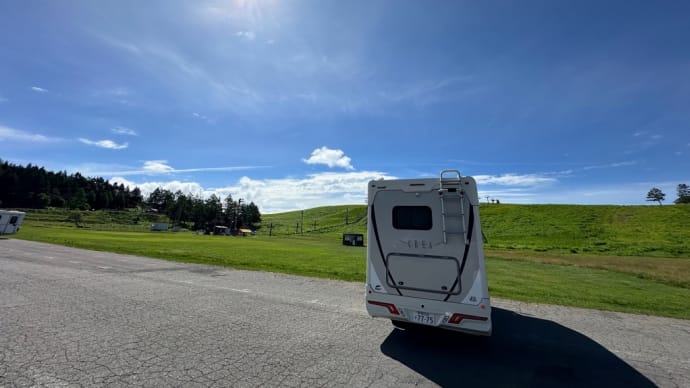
x=522 y=352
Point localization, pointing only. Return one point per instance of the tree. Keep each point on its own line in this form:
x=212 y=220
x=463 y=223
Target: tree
x=252 y=214
x=655 y=194
x=683 y=194
x=78 y=201
x=43 y=201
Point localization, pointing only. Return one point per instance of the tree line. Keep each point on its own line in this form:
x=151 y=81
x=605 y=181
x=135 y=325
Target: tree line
x=683 y=192
x=34 y=187
x=204 y=214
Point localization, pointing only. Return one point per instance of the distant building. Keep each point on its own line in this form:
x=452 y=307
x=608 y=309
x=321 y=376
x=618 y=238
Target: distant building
x=159 y=227
x=353 y=239
x=244 y=232
x=221 y=230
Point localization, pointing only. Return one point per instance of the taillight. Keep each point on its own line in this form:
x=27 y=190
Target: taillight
x=390 y=306
x=456 y=318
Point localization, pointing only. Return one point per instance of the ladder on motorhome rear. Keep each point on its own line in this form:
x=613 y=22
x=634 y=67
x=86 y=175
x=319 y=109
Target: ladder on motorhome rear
x=452 y=196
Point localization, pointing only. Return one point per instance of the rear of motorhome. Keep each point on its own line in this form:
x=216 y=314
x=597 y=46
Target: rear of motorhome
x=10 y=220
x=425 y=258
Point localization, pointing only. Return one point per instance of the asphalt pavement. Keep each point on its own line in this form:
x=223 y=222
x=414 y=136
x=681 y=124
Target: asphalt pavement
x=72 y=317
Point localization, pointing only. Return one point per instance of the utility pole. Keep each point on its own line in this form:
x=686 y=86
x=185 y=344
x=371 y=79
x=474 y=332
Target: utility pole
x=302 y=223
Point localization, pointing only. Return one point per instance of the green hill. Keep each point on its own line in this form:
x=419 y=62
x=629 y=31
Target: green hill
x=656 y=231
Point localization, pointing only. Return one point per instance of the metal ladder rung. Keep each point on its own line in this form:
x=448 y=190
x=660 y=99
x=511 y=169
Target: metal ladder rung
x=450 y=190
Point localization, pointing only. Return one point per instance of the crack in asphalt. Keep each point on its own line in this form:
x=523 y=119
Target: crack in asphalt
x=72 y=317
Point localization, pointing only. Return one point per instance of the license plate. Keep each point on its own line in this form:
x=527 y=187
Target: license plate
x=424 y=318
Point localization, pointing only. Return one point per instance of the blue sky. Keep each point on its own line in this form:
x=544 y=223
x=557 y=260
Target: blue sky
x=295 y=104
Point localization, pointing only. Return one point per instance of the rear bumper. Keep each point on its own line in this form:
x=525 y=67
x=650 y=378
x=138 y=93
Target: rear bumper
x=471 y=319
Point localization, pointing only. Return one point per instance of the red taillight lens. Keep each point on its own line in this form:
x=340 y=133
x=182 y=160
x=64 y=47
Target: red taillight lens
x=456 y=318
x=390 y=306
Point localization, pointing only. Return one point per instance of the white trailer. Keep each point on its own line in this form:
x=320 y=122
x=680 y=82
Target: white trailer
x=10 y=220
x=425 y=258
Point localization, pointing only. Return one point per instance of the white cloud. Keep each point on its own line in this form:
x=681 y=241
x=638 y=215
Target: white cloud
x=39 y=89
x=342 y=188
x=278 y=195
x=109 y=144
x=146 y=188
x=124 y=131
x=329 y=157
x=7 y=133
x=157 y=167
x=249 y=35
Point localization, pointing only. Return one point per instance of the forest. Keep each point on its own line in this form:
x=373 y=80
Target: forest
x=33 y=187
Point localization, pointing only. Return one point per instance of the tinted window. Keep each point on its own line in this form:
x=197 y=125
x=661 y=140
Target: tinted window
x=412 y=217
x=13 y=220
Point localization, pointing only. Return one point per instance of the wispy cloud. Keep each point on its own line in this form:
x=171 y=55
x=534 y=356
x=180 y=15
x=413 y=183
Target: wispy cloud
x=11 y=134
x=190 y=75
x=120 y=92
x=248 y=35
x=39 y=89
x=109 y=144
x=422 y=93
x=203 y=118
x=515 y=179
x=644 y=140
x=329 y=157
x=124 y=131
x=152 y=167
x=610 y=165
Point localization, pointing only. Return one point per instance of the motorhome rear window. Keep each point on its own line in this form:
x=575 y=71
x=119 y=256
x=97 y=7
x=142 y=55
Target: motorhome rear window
x=412 y=217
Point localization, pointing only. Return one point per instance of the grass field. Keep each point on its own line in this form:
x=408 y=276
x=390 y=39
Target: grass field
x=563 y=263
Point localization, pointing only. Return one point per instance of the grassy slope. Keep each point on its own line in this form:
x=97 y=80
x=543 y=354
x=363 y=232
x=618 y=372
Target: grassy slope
x=528 y=254
x=659 y=231
x=656 y=231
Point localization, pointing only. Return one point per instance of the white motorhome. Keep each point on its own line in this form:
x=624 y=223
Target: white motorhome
x=10 y=221
x=425 y=258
